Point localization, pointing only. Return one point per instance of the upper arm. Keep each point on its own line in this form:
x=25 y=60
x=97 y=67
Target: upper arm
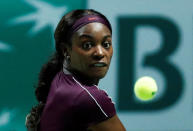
x=111 y=124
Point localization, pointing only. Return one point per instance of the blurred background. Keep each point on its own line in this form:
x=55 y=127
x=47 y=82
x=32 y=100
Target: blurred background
x=150 y=38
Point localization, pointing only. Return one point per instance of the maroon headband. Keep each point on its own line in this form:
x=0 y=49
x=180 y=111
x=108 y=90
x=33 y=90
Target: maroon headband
x=86 y=20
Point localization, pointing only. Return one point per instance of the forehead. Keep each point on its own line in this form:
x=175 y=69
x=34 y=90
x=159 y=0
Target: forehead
x=93 y=29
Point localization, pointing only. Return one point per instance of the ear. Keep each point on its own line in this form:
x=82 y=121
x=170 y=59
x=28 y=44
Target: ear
x=66 y=50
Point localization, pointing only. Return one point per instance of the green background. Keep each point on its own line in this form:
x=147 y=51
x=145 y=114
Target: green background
x=21 y=62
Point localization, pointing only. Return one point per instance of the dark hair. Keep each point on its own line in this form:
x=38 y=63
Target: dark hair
x=55 y=64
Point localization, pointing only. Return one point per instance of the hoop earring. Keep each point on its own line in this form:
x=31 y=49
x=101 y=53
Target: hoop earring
x=68 y=58
x=66 y=61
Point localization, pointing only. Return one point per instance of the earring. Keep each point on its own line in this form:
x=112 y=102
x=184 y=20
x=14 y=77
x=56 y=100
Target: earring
x=68 y=58
x=66 y=61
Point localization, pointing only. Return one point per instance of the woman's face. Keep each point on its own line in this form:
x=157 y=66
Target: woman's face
x=91 y=50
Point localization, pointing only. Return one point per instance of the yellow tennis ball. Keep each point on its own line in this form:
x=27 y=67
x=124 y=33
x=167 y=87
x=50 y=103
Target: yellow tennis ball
x=145 y=88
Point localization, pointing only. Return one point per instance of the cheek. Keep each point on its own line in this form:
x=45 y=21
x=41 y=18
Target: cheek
x=75 y=59
x=110 y=53
x=78 y=60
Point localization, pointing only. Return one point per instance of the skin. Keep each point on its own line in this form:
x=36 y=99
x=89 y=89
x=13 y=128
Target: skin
x=112 y=124
x=92 y=43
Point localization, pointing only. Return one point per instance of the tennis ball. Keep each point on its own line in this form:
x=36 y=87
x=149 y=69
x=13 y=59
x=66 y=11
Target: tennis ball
x=145 y=88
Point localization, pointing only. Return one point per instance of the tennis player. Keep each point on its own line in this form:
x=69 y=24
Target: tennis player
x=68 y=93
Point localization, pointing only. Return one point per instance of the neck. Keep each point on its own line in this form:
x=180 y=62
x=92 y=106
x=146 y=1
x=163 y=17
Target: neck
x=83 y=78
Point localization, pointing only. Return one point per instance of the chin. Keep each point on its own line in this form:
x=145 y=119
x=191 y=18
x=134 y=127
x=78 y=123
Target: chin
x=98 y=75
x=98 y=72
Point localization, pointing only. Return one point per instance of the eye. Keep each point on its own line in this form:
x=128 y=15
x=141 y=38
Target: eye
x=106 y=44
x=87 y=45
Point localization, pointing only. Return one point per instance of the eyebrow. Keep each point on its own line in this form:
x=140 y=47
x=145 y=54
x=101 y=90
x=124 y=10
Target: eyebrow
x=85 y=35
x=90 y=37
x=107 y=36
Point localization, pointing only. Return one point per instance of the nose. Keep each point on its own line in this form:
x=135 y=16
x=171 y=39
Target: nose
x=98 y=53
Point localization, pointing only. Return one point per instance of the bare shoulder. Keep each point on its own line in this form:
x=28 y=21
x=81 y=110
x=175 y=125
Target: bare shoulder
x=111 y=124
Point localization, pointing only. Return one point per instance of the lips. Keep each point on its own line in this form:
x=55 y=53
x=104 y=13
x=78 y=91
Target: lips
x=99 y=64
